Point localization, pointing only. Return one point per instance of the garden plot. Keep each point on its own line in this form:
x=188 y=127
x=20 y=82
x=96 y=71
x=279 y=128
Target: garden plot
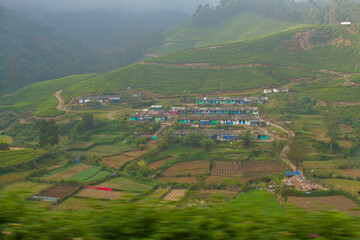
x=262 y=200
x=18 y=157
x=85 y=175
x=156 y=165
x=125 y=184
x=223 y=180
x=339 y=203
x=59 y=192
x=188 y=168
x=177 y=179
x=207 y=197
x=110 y=195
x=175 y=195
x=225 y=169
x=154 y=197
x=67 y=173
x=120 y=160
x=253 y=169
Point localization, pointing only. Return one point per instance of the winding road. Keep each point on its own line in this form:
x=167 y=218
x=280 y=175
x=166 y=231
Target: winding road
x=60 y=98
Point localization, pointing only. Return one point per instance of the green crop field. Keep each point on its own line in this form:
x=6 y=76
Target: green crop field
x=25 y=188
x=261 y=200
x=350 y=186
x=85 y=175
x=7 y=139
x=125 y=184
x=241 y=27
x=100 y=175
x=15 y=157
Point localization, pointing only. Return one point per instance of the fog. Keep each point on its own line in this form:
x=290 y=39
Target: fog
x=188 y=6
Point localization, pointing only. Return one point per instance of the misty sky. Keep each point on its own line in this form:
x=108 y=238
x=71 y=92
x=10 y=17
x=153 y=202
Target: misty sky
x=188 y=6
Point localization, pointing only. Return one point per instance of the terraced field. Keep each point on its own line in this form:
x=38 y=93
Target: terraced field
x=119 y=160
x=92 y=193
x=225 y=169
x=61 y=174
x=25 y=188
x=125 y=184
x=185 y=168
x=17 y=157
x=175 y=195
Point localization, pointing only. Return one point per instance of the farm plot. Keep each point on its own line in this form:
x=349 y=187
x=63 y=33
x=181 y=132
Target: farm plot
x=177 y=179
x=348 y=185
x=67 y=173
x=110 y=195
x=354 y=173
x=188 y=168
x=76 y=204
x=253 y=169
x=208 y=197
x=156 y=165
x=100 y=175
x=125 y=184
x=175 y=195
x=223 y=180
x=25 y=188
x=84 y=175
x=260 y=200
x=339 y=203
x=153 y=198
x=16 y=157
x=120 y=160
x=59 y=191
x=225 y=169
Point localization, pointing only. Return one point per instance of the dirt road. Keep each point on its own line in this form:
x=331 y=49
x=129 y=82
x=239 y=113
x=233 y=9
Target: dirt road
x=60 y=106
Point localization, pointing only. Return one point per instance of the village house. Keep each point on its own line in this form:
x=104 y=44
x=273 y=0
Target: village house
x=249 y=120
x=224 y=135
x=214 y=110
x=231 y=100
x=107 y=99
x=146 y=117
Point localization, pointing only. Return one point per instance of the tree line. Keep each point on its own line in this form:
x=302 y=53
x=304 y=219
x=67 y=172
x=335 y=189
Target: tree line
x=311 y=12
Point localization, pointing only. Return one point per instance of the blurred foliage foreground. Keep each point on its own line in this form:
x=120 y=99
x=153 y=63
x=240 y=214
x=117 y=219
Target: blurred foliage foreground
x=22 y=220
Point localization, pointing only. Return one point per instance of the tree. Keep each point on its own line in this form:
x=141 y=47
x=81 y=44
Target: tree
x=4 y=146
x=247 y=138
x=332 y=120
x=49 y=133
x=201 y=178
x=193 y=139
x=206 y=143
x=297 y=152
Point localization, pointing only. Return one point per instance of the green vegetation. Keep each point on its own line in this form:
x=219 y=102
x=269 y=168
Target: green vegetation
x=40 y=97
x=100 y=175
x=7 y=139
x=84 y=175
x=26 y=189
x=261 y=200
x=11 y=158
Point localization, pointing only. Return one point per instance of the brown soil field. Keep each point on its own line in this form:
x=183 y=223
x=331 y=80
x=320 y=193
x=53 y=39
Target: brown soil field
x=175 y=195
x=59 y=191
x=338 y=203
x=156 y=165
x=184 y=168
x=68 y=172
x=177 y=179
x=262 y=166
x=225 y=169
x=92 y=193
x=354 y=173
x=120 y=160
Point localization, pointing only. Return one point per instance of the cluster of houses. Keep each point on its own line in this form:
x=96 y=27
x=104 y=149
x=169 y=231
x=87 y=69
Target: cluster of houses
x=214 y=110
x=231 y=100
x=203 y=120
x=300 y=183
x=108 y=98
x=224 y=135
x=154 y=114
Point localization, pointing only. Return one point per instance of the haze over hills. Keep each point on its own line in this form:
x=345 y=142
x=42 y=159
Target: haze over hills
x=306 y=55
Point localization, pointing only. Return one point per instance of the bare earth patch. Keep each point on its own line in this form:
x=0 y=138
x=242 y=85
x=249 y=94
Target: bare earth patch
x=92 y=193
x=68 y=172
x=338 y=203
x=156 y=165
x=226 y=169
x=175 y=195
x=59 y=191
x=354 y=173
x=120 y=160
x=262 y=166
x=185 y=168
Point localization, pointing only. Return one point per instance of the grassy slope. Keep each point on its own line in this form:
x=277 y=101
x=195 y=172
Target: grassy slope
x=244 y=26
x=40 y=96
x=279 y=59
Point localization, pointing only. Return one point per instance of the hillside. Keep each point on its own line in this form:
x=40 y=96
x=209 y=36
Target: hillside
x=241 y=27
x=32 y=53
x=305 y=56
